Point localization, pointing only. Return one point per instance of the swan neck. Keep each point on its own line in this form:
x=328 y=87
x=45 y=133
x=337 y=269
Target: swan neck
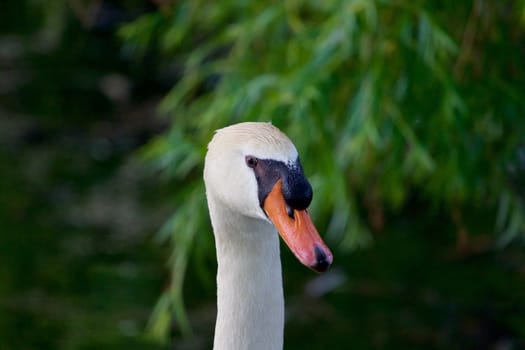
x=250 y=299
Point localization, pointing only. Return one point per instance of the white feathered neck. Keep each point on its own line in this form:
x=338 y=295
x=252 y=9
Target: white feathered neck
x=249 y=280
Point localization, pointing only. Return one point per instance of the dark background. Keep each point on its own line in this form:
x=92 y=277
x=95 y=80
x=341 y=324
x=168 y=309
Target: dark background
x=79 y=208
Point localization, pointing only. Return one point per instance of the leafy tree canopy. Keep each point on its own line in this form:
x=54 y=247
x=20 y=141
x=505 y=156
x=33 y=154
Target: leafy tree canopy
x=387 y=101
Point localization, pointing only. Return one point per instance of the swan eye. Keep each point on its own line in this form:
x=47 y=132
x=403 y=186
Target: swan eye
x=251 y=161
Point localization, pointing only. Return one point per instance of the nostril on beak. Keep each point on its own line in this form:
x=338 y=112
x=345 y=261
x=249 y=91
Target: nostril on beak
x=290 y=213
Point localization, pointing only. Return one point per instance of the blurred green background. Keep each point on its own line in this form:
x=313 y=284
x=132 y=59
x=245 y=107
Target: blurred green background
x=409 y=117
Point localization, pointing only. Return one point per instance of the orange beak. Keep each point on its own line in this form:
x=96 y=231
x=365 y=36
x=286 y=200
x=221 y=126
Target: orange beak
x=299 y=232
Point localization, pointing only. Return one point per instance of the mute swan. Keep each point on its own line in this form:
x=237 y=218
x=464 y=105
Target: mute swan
x=255 y=186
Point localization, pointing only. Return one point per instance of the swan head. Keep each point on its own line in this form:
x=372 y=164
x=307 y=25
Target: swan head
x=253 y=169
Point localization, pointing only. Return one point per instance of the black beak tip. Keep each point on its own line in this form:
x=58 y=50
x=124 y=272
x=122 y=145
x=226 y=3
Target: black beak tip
x=322 y=260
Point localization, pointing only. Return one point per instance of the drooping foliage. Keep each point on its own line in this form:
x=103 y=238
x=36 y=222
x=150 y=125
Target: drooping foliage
x=386 y=101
